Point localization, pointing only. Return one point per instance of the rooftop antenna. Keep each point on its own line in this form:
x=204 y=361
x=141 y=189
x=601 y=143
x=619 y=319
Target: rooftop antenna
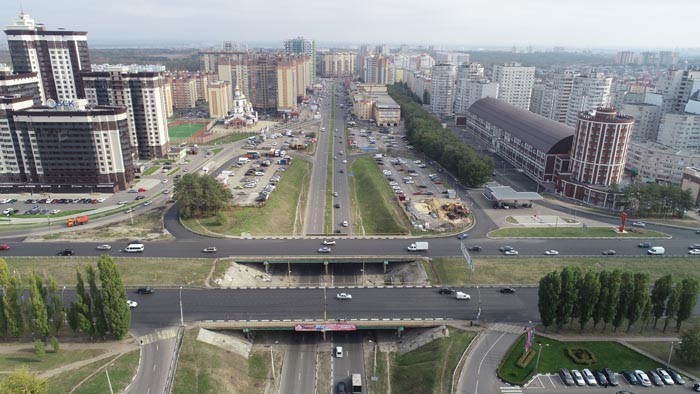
x=21 y=8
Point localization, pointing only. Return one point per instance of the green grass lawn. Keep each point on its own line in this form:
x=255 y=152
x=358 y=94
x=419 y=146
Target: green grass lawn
x=429 y=368
x=215 y=151
x=573 y=232
x=185 y=130
x=375 y=205
x=553 y=357
x=135 y=272
x=233 y=137
x=662 y=349
x=529 y=270
x=207 y=369
x=64 y=383
x=276 y=217
x=121 y=371
x=11 y=361
x=380 y=384
x=150 y=170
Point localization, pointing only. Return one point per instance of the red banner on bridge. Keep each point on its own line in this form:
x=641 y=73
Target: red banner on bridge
x=325 y=327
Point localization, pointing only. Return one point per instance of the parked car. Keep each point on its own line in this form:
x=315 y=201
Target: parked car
x=609 y=252
x=339 y=351
x=600 y=377
x=611 y=377
x=551 y=252
x=566 y=377
x=588 y=376
x=678 y=378
x=344 y=296
x=643 y=378
x=631 y=378
x=341 y=388
x=446 y=290
x=696 y=386
x=507 y=290
x=694 y=246
x=655 y=379
x=665 y=376
x=145 y=290
x=578 y=378
x=209 y=249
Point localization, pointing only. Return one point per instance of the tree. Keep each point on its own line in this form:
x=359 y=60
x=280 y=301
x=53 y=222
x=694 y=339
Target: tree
x=39 y=349
x=640 y=294
x=603 y=298
x=426 y=97
x=98 y=312
x=672 y=304
x=200 y=196
x=22 y=381
x=55 y=306
x=690 y=287
x=689 y=348
x=55 y=345
x=647 y=314
x=114 y=295
x=588 y=297
x=659 y=296
x=626 y=294
x=80 y=290
x=39 y=315
x=614 y=284
x=548 y=296
x=567 y=296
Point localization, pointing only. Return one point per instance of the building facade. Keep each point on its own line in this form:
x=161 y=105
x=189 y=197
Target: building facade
x=338 y=64
x=302 y=46
x=588 y=93
x=557 y=95
x=658 y=162
x=22 y=85
x=442 y=87
x=220 y=99
x=58 y=57
x=514 y=83
x=647 y=120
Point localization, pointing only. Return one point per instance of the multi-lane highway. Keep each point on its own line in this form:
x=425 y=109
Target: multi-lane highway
x=341 y=170
x=316 y=203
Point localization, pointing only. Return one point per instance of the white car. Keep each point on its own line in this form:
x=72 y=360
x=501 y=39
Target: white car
x=104 y=247
x=164 y=180
x=101 y=199
x=209 y=249
x=329 y=242
x=147 y=203
x=643 y=378
x=8 y=211
x=344 y=296
x=462 y=296
x=416 y=161
x=694 y=251
x=339 y=351
x=324 y=249
x=551 y=252
x=639 y=224
x=588 y=375
x=132 y=304
x=55 y=211
x=665 y=376
x=345 y=223
x=578 y=378
x=511 y=252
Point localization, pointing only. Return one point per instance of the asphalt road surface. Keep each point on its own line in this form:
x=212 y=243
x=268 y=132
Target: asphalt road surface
x=352 y=360
x=340 y=180
x=316 y=205
x=299 y=368
x=153 y=367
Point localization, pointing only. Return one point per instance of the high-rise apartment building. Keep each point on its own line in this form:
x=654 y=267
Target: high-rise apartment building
x=219 y=100
x=588 y=93
x=599 y=150
x=668 y=58
x=556 y=96
x=471 y=86
x=338 y=64
x=624 y=58
x=184 y=92
x=442 y=89
x=681 y=130
x=286 y=86
x=141 y=90
x=301 y=46
x=378 y=70
x=646 y=112
x=514 y=83
x=209 y=61
x=676 y=86
x=20 y=85
x=57 y=56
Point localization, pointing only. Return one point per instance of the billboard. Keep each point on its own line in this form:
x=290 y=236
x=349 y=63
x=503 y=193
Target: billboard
x=325 y=327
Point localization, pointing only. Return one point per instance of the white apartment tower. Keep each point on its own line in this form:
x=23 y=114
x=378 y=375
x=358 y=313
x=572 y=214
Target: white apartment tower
x=676 y=86
x=442 y=89
x=471 y=86
x=556 y=96
x=302 y=46
x=588 y=93
x=57 y=56
x=514 y=83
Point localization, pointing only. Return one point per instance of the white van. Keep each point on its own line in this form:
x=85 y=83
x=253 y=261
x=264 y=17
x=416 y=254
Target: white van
x=134 y=248
x=656 y=250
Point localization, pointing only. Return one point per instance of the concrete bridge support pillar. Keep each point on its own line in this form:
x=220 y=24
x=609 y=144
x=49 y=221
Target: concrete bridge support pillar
x=267 y=267
x=386 y=264
x=399 y=331
x=325 y=266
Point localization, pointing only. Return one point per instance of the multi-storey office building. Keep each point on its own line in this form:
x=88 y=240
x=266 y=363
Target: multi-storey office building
x=21 y=85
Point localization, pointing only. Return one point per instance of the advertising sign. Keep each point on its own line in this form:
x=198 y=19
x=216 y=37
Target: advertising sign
x=325 y=327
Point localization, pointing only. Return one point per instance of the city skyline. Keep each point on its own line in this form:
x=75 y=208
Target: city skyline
x=509 y=23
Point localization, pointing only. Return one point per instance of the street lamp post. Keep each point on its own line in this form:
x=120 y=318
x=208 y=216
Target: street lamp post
x=182 y=319
x=670 y=353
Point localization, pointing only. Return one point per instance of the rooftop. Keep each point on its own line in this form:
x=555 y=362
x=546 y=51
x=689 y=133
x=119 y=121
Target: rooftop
x=506 y=193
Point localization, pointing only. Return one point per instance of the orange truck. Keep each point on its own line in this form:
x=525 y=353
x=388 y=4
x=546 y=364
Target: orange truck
x=78 y=220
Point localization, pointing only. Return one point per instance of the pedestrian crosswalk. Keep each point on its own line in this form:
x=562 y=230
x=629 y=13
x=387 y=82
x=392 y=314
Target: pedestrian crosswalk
x=511 y=390
x=158 y=335
x=510 y=328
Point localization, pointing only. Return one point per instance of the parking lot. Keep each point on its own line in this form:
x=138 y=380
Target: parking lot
x=552 y=383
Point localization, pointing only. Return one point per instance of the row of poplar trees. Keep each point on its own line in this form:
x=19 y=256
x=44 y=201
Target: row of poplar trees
x=36 y=307
x=573 y=296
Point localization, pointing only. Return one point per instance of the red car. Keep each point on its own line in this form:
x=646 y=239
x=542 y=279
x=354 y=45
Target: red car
x=141 y=190
x=4 y=247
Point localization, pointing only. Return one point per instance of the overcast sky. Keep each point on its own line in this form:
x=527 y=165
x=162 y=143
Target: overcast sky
x=540 y=23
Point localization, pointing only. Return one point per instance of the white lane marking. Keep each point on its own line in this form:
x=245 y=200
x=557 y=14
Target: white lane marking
x=511 y=390
x=154 y=367
x=149 y=391
x=551 y=381
x=299 y=378
x=156 y=347
x=478 y=372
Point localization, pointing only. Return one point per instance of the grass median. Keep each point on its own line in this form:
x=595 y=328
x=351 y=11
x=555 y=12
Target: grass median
x=554 y=356
x=428 y=369
x=573 y=232
x=529 y=270
x=121 y=371
x=374 y=204
x=276 y=217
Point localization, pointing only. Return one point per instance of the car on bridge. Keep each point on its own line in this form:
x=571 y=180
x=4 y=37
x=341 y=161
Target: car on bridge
x=507 y=290
x=511 y=252
x=329 y=242
x=344 y=296
x=104 y=247
x=324 y=249
x=551 y=252
x=145 y=290
x=609 y=252
x=209 y=249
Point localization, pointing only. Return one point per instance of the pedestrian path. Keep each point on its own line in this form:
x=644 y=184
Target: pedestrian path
x=158 y=335
x=511 y=390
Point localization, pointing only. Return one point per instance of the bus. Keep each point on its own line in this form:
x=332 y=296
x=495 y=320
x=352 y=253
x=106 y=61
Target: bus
x=356 y=383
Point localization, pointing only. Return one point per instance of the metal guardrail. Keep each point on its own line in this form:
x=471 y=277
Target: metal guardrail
x=173 y=364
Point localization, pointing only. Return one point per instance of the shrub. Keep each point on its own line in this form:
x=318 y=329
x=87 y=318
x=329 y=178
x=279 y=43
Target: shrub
x=55 y=345
x=581 y=356
x=39 y=349
x=526 y=358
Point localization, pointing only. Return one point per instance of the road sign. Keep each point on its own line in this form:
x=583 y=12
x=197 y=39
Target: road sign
x=467 y=256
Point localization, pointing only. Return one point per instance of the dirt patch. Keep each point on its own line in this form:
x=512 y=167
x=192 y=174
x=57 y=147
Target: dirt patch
x=415 y=338
x=242 y=275
x=406 y=273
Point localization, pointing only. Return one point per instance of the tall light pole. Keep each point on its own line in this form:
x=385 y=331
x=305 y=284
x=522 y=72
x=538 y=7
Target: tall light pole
x=182 y=319
x=670 y=353
x=109 y=382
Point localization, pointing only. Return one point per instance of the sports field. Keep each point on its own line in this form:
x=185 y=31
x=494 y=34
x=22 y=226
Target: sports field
x=185 y=130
